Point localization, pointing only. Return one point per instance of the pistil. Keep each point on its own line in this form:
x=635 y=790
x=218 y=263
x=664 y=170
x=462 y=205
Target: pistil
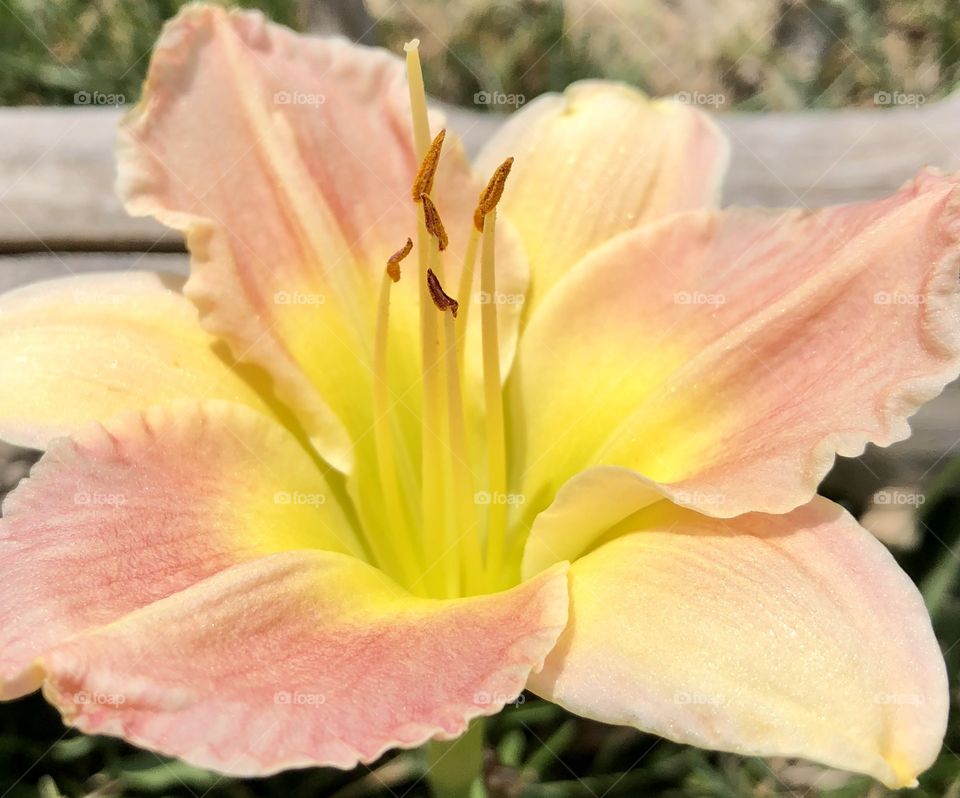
x=418 y=98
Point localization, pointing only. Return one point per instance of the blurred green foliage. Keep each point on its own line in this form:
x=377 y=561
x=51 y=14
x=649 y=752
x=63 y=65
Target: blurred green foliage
x=50 y=51
x=757 y=54
x=753 y=54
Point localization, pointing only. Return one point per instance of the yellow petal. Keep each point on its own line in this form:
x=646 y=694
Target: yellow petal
x=789 y=635
x=584 y=512
x=595 y=161
x=85 y=348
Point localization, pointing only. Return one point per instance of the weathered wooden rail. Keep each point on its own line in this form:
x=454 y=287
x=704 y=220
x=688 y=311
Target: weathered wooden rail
x=59 y=215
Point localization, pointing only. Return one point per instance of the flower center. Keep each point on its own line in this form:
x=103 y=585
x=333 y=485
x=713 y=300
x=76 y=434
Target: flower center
x=451 y=544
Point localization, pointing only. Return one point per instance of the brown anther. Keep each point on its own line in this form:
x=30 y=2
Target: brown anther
x=393 y=262
x=431 y=219
x=490 y=196
x=440 y=298
x=423 y=182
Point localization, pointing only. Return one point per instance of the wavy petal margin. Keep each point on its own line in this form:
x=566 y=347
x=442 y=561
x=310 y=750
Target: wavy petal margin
x=141 y=507
x=728 y=356
x=300 y=659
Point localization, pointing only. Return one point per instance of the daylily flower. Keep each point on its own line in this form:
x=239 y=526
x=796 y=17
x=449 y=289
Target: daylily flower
x=299 y=514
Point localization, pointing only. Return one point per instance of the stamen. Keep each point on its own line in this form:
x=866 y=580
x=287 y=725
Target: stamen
x=440 y=297
x=393 y=263
x=467 y=525
x=490 y=195
x=431 y=218
x=423 y=182
x=447 y=478
x=400 y=554
x=463 y=292
x=489 y=198
x=493 y=400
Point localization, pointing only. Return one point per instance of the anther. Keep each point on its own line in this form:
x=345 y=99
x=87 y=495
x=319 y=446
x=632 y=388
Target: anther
x=490 y=196
x=423 y=182
x=393 y=262
x=431 y=218
x=440 y=298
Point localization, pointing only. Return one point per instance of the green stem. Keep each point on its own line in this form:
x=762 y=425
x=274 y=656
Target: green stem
x=455 y=767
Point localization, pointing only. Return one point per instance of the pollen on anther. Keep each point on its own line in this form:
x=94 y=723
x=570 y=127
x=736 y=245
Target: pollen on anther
x=440 y=297
x=393 y=262
x=423 y=182
x=491 y=194
x=431 y=218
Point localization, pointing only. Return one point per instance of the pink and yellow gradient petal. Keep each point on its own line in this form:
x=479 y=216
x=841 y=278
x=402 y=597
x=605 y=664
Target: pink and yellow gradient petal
x=596 y=161
x=293 y=192
x=302 y=659
x=145 y=505
x=789 y=635
x=85 y=348
x=728 y=356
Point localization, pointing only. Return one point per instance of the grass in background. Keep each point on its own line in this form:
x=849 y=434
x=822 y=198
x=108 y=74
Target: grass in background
x=52 y=51
x=755 y=54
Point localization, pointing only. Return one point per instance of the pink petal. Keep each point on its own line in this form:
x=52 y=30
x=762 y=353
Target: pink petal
x=130 y=512
x=303 y=658
x=288 y=161
x=793 y=635
x=729 y=356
